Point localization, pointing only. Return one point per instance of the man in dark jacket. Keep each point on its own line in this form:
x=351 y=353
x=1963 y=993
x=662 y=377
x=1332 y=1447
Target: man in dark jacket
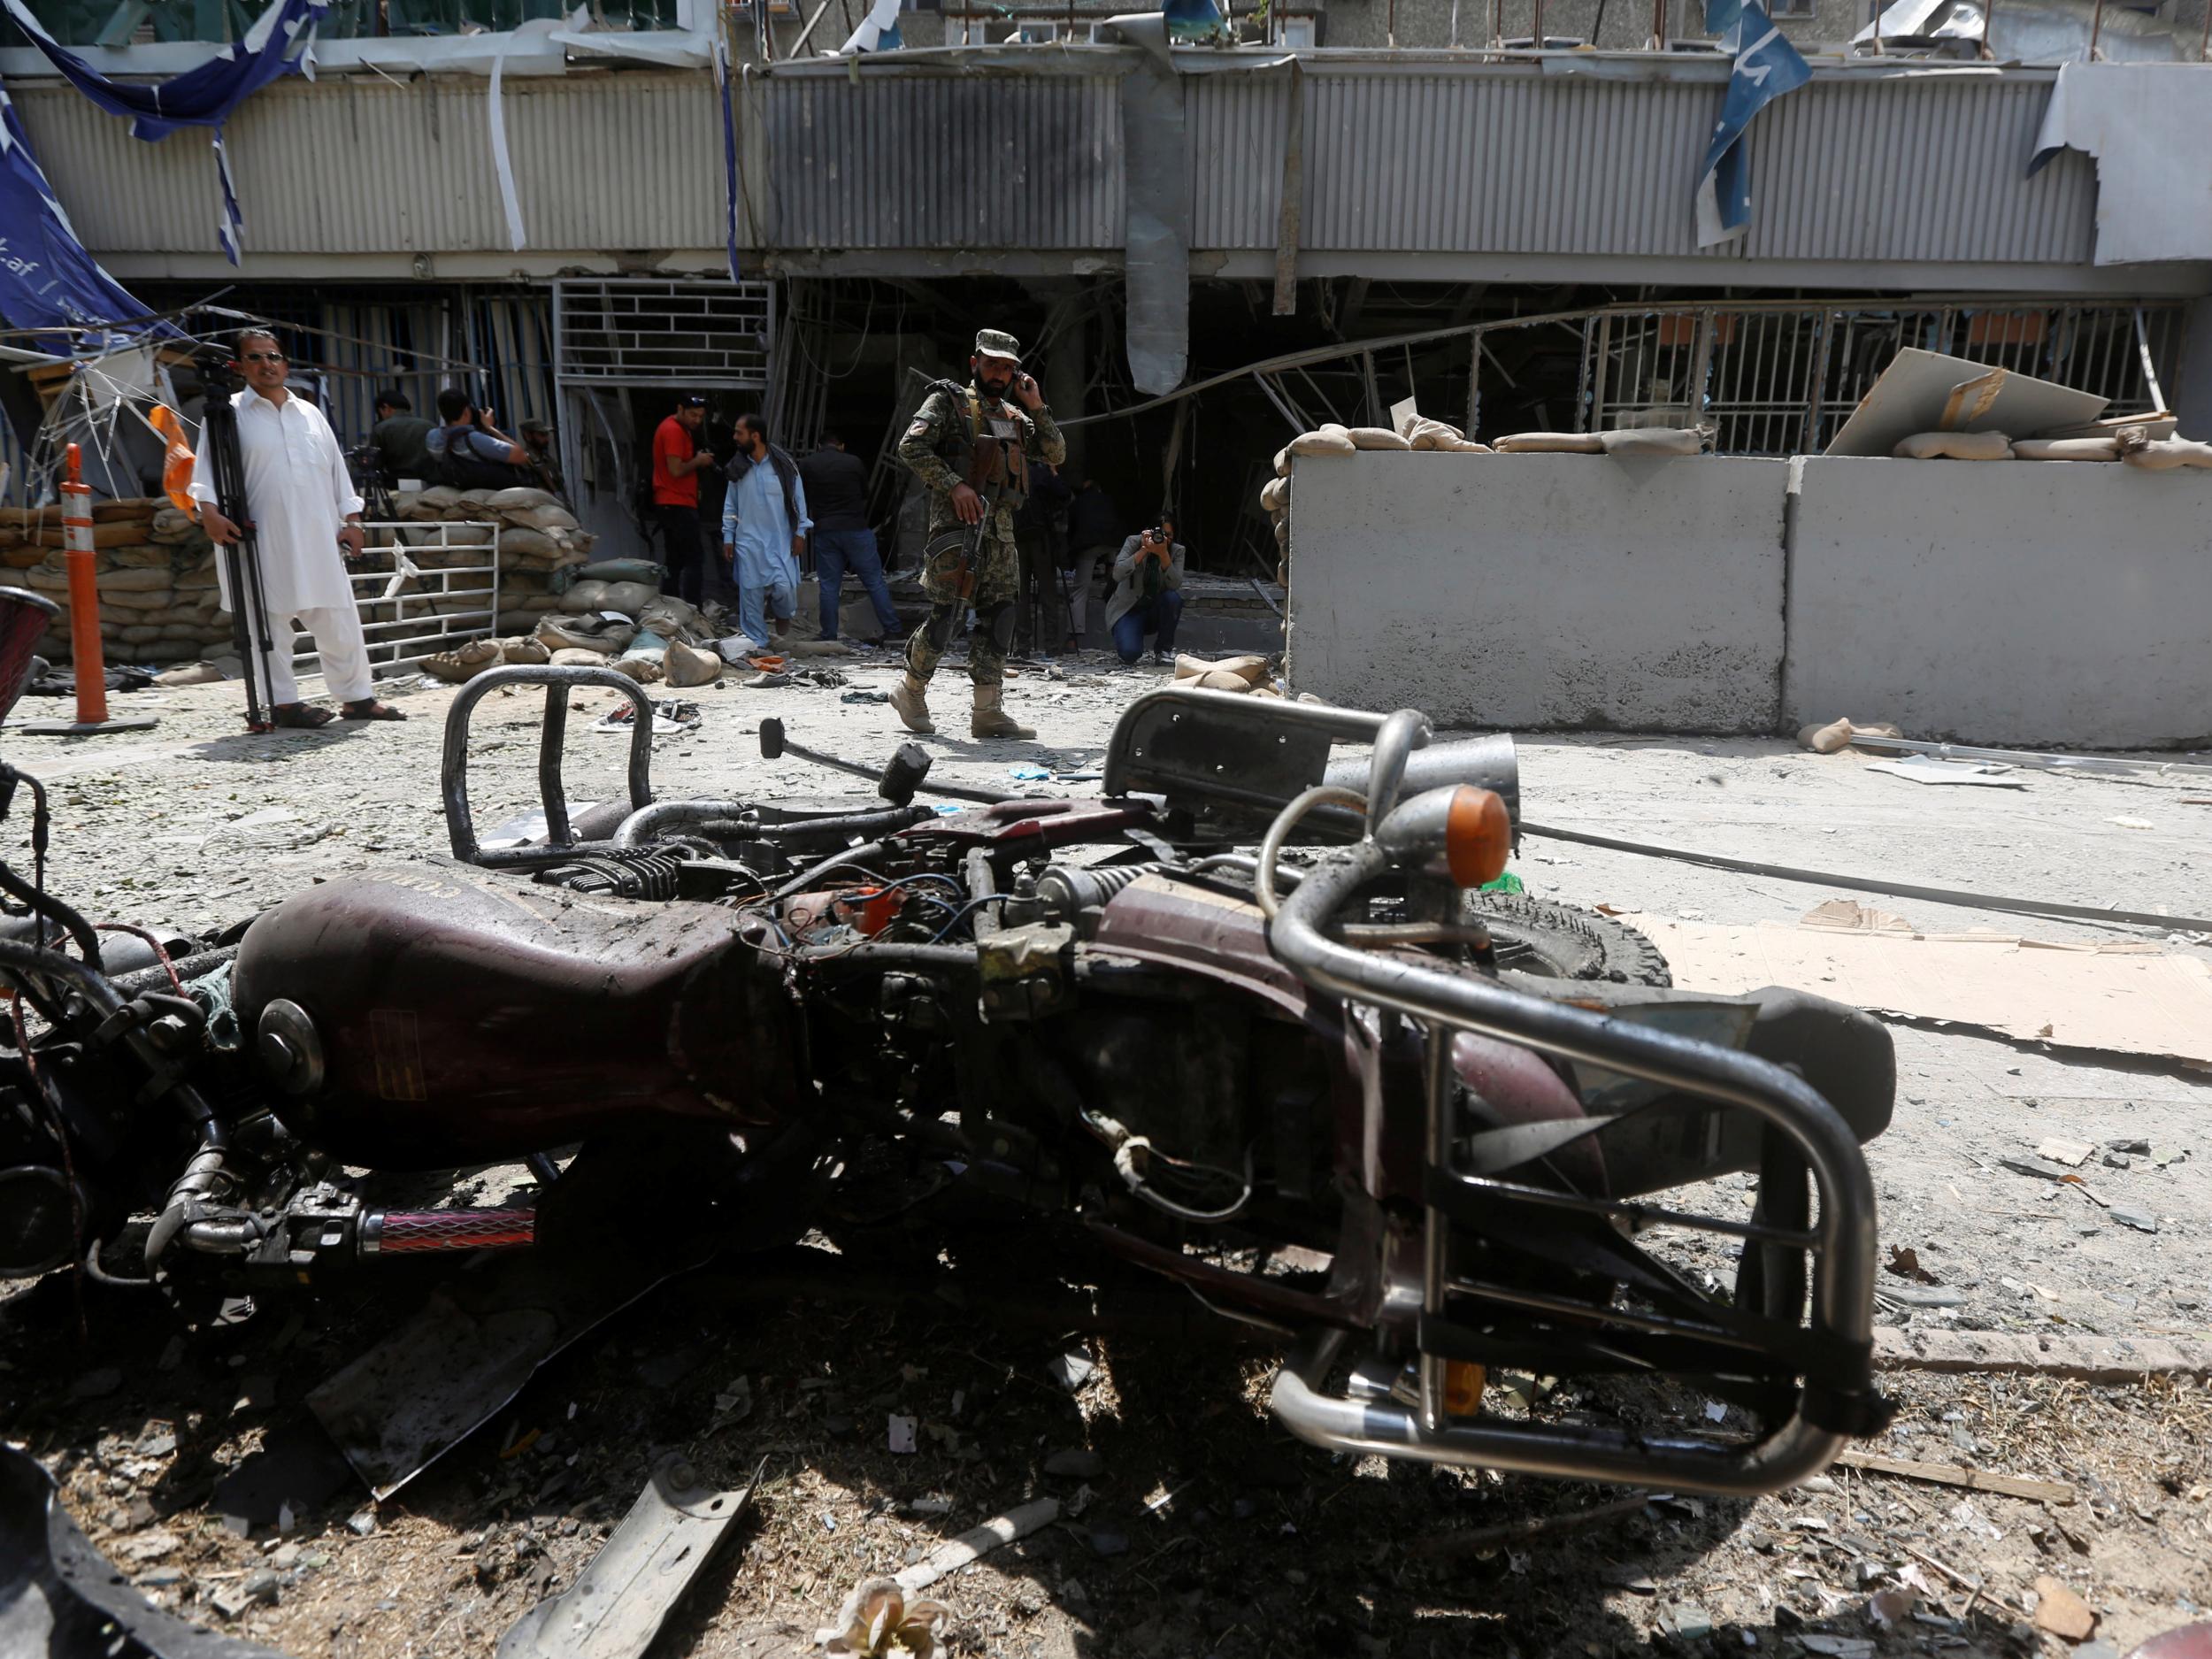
x=1039 y=538
x=836 y=485
x=401 y=439
x=1095 y=534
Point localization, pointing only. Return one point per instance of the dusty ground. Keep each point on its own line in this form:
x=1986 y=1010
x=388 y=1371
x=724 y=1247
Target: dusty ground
x=1205 y=1531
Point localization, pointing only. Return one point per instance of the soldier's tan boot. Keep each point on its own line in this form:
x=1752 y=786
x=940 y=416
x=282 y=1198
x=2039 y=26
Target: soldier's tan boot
x=991 y=720
x=909 y=699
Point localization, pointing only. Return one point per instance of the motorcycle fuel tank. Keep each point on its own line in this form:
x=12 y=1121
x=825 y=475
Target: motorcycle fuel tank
x=432 y=1015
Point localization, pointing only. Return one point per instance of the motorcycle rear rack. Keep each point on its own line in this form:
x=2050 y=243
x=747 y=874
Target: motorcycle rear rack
x=560 y=843
x=1837 y=1398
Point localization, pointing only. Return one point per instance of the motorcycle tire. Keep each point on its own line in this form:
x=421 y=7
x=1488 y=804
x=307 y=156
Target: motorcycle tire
x=1558 y=941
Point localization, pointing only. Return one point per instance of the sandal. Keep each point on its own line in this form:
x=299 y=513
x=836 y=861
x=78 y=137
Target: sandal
x=300 y=716
x=370 y=709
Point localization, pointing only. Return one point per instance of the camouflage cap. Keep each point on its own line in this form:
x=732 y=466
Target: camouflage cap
x=994 y=342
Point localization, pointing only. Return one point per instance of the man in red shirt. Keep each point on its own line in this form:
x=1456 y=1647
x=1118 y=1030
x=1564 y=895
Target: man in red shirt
x=679 y=457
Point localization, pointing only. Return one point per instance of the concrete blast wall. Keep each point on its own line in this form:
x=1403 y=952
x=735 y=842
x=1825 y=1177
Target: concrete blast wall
x=1540 y=590
x=2012 y=602
x=2019 y=602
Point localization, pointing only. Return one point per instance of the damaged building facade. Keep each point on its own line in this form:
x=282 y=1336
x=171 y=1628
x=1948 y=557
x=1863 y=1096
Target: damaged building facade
x=551 y=216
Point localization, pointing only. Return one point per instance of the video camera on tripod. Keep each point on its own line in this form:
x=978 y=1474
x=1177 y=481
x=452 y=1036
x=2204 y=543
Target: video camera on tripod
x=241 y=558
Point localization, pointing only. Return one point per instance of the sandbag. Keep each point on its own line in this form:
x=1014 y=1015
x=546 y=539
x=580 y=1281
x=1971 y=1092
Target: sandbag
x=1955 y=446
x=586 y=634
x=646 y=645
x=1282 y=532
x=620 y=570
x=1549 y=443
x=464 y=663
x=630 y=598
x=1249 y=669
x=673 y=618
x=2066 y=450
x=1377 y=438
x=1325 y=439
x=525 y=650
x=1467 y=446
x=1640 y=444
x=645 y=670
x=1423 y=434
x=690 y=665
x=569 y=656
x=2167 y=453
x=585 y=596
x=550 y=517
x=1837 y=735
x=1275 y=494
x=521 y=541
x=1282 y=463
x=521 y=498
x=1219 y=681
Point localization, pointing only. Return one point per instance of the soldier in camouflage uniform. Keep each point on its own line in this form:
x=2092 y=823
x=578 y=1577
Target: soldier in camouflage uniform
x=973 y=447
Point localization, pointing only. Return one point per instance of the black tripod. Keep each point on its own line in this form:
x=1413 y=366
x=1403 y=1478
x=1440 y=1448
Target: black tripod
x=241 y=559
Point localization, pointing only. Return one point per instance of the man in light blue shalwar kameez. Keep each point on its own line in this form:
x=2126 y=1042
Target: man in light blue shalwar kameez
x=764 y=525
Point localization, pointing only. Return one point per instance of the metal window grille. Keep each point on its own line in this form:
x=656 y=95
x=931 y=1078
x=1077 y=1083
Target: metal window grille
x=452 y=597
x=658 y=332
x=1781 y=381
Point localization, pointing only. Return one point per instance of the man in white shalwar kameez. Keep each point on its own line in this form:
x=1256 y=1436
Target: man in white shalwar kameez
x=302 y=502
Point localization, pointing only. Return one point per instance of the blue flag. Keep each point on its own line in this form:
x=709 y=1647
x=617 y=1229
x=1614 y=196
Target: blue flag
x=47 y=280
x=729 y=151
x=205 y=97
x=1766 y=67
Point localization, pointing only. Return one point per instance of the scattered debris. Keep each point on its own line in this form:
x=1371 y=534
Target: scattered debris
x=1928 y=769
x=2061 y=1150
x=619 y=1604
x=1071 y=1371
x=901 y=1438
x=877 y=1622
x=1002 y=1528
x=1075 y=1464
x=1956 y=1475
x=2141 y=1220
x=1905 y=1263
x=2060 y=1611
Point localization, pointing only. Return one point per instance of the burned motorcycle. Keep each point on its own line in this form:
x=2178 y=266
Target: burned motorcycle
x=1418 y=1132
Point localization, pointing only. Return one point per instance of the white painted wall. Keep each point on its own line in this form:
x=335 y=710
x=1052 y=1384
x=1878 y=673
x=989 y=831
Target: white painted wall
x=1540 y=590
x=2009 y=603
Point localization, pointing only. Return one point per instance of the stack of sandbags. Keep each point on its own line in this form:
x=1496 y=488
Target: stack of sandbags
x=1244 y=674
x=154 y=570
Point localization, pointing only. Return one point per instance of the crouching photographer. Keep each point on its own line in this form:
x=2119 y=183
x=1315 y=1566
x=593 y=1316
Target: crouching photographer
x=1146 y=598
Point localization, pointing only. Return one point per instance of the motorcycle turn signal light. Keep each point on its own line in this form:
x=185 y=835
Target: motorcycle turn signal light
x=1478 y=836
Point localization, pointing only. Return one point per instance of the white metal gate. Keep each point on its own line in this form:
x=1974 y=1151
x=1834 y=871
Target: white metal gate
x=445 y=592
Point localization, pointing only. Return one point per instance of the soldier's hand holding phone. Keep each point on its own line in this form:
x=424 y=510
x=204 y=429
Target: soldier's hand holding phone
x=1026 y=393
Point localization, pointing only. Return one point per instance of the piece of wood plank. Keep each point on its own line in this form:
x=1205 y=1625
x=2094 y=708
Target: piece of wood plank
x=2088 y=1359
x=1958 y=1475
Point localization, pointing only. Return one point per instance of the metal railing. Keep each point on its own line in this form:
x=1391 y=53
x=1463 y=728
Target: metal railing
x=1781 y=381
x=414 y=610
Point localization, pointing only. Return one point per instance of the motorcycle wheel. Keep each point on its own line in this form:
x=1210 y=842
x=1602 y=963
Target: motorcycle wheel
x=1558 y=941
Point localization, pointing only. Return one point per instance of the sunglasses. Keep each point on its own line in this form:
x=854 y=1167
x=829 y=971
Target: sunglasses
x=263 y=356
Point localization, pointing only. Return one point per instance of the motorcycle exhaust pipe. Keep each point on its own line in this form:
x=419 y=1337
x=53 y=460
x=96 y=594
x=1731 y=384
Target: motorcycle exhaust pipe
x=1488 y=763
